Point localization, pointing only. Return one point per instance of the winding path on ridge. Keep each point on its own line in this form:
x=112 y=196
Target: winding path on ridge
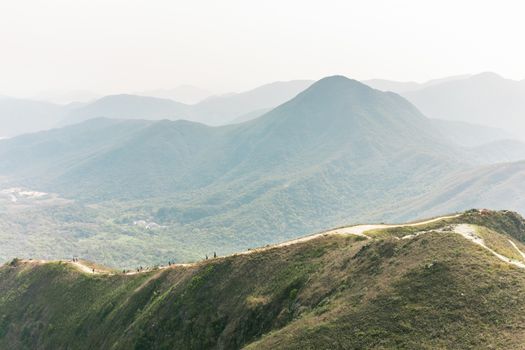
x=465 y=230
x=469 y=232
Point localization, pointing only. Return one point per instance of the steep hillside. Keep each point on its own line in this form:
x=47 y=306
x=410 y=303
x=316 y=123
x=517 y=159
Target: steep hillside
x=495 y=186
x=441 y=286
x=46 y=155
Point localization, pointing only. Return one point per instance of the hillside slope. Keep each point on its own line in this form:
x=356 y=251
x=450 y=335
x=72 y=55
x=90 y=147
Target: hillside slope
x=337 y=152
x=501 y=151
x=434 y=288
x=495 y=186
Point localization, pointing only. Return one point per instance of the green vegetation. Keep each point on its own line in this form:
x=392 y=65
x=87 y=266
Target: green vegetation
x=338 y=153
x=437 y=290
x=141 y=192
x=494 y=241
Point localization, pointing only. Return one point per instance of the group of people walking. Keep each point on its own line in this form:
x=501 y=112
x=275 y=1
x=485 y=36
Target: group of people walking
x=140 y=268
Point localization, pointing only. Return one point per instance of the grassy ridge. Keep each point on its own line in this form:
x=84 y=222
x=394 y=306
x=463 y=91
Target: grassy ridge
x=437 y=290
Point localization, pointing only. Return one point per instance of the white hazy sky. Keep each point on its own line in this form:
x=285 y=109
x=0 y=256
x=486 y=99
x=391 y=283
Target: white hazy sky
x=110 y=46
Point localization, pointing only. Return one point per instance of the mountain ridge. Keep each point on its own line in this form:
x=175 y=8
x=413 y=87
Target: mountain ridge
x=339 y=151
x=415 y=286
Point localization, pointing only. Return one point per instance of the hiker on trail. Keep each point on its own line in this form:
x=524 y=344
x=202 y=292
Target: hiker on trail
x=206 y=256
x=93 y=270
x=214 y=254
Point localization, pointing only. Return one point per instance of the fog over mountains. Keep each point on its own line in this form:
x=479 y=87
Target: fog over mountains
x=187 y=94
x=484 y=99
x=18 y=116
x=337 y=152
x=287 y=175
x=335 y=119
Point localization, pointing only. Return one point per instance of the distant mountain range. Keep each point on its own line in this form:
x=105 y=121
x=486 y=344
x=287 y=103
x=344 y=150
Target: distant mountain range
x=68 y=97
x=127 y=107
x=482 y=100
x=402 y=87
x=468 y=134
x=219 y=110
x=485 y=99
x=19 y=116
x=185 y=94
x=339 y=151
x=336 y=119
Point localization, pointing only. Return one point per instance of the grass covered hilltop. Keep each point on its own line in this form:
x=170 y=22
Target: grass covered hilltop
x=457 y=283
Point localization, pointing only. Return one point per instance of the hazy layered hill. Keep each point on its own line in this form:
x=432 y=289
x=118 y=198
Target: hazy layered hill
x=486 y=99
x=47 y=154
x=494 y=186
x=401 y=87
x=433 y=289
x=390 y=85
x=18 y=116
x=457 y=132
x=501 y=151
x=218 y=110
x=184 y=93
x=215 y=110
x=343 y=118
x=338 y=152
x=337 y=123
x=453 y=98
x=468 y=134
x=128 y=107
